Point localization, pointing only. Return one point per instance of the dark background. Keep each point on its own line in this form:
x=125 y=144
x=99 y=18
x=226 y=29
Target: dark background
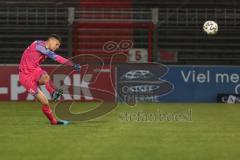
x=179 y=29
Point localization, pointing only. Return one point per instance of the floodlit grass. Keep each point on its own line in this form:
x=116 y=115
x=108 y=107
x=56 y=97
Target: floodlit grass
x=211 y=131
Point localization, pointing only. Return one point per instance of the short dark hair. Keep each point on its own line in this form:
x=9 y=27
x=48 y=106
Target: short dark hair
x=56 y=37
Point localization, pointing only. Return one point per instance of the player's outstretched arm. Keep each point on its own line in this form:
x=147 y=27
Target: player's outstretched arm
x=42 y=49
x=67 y=62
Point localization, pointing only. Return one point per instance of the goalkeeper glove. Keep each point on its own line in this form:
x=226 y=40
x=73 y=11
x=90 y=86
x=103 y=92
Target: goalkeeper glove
x=77 y=67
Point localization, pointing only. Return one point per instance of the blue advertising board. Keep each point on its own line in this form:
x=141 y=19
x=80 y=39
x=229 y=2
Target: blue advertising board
x=158 y=83
x=141 y=82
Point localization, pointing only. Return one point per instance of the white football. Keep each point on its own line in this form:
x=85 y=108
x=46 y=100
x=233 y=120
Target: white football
x=210 y=27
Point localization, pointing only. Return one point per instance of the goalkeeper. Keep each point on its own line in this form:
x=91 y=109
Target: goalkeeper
x=31 y=75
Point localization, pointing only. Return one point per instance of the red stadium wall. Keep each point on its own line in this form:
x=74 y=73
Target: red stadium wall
x=11 y=89
x=90 y=39
x=106 y=3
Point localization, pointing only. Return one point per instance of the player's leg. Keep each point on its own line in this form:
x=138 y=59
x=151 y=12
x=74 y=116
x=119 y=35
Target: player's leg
x=45 y=107
x=47 y=110
x=45 y=79
x=30 y=83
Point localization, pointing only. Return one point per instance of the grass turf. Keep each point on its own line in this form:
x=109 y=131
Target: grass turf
x=213 y=133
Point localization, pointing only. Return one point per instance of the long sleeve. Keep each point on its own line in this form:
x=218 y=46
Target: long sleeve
x=42 y=49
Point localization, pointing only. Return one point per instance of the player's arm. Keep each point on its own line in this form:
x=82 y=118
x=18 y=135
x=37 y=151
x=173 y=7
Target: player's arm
x=42 y=49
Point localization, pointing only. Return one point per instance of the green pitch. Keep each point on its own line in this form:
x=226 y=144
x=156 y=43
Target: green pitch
x=148 y=131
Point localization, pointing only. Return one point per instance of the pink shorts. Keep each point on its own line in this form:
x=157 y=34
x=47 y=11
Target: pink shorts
x=30 y=82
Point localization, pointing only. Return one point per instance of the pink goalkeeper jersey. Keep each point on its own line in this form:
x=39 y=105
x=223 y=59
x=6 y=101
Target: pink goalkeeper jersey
x=35 y=54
